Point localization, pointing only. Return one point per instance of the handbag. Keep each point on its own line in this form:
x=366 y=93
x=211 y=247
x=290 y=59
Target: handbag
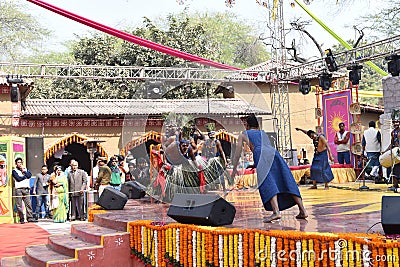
x=54 y=202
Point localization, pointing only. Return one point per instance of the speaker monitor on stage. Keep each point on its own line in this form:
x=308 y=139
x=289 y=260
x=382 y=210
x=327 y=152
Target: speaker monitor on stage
x=133 y=190
x=390 y=215
x=112 y=199
x=201 y=209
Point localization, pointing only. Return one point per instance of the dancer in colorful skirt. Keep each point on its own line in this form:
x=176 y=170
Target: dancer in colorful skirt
x=276 y=184
x=321 y=171
x=176 y=169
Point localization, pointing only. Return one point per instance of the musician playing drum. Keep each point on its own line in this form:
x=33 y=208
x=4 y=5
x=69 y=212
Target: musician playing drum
x=395 y=142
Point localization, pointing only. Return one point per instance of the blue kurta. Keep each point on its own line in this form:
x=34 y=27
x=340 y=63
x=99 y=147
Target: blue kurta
x=273 y=174
x=320 y=169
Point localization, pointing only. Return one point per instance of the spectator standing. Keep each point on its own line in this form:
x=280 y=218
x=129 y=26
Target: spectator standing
x=41 y=190
x=77 y=181
x=104 y=177
x=342 y=140
x=371 y=143
x=143 y=173
x=95 y=172
x=21 y=177
x=115 y=181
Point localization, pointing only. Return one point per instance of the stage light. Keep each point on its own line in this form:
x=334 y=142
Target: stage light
x=14 y=79
x=330 y=61
x=304 y=86
x=154 y=90
x=393 y=64
x=355 y=73
x=325 y=80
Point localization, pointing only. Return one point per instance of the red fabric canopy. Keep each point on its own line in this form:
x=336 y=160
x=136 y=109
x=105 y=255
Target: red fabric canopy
x=131 y=38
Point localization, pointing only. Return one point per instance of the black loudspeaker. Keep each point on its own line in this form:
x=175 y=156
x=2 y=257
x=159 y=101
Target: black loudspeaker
x=34 y=154
x=112 y=199
x=133 y=190
x=14 y=93
x=390 y=214
x=201 y=209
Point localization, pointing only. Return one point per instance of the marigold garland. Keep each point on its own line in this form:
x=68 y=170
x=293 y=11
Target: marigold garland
x=159 y=245
x=313 y=256
x=358 y=256
x=262 y=254
x=396 y=257
x=304 y=248
x=293 y=257
x=268 y=251
x=226 y=252
x=279 y=248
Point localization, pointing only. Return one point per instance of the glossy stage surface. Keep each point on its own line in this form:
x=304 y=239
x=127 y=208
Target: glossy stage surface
x=342 y=208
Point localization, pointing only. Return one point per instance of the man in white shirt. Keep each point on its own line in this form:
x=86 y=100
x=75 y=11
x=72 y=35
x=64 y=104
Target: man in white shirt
x=342 y=140
x=371 y=143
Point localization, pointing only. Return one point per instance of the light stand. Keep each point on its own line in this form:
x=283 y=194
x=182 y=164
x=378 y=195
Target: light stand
x=91 y=146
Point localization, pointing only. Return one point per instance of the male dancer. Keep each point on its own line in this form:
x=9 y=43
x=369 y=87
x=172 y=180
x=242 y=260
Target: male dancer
x=320 y=169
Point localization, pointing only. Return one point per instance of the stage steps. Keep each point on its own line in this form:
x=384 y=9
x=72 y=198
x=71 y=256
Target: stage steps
x=88 y=244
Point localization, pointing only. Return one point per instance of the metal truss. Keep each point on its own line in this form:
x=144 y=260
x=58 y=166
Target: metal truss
x=375 y=50
x=280 y=91
x=63 y=71
x=280 y=71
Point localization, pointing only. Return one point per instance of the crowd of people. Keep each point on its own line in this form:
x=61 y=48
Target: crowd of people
x=187 y=161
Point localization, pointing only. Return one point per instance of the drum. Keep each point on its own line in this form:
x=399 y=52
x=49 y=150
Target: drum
x=390 y=157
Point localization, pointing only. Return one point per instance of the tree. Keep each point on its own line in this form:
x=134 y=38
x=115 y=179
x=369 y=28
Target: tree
x=19 y=31
x=384 y=23
x=194 y=35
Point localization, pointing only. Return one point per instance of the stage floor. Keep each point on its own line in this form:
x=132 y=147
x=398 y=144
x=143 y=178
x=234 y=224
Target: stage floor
x=342 y=208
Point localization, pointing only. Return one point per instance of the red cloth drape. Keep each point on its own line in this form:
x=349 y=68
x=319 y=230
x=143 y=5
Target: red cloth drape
x=130 y=37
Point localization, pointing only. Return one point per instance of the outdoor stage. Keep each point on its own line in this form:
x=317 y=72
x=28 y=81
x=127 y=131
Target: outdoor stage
x=329 y=210
x=334 y=234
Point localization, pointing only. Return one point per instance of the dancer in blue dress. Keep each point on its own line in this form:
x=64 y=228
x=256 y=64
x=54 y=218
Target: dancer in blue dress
x=276 y=185
x=321 y=171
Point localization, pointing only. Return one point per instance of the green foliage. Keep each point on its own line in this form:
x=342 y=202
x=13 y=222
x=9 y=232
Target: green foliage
x=385 y=22
x=237 y=43
x=218 y=37
x=20 y=33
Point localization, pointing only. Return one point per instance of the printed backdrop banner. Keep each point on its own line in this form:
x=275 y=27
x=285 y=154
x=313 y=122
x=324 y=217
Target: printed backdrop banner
x=336 y=110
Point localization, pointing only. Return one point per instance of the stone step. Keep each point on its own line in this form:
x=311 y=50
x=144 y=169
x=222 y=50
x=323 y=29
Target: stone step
x=69 y=244
x=19 y=261
x=118 y=219
x=92 y=233
x=44 y=256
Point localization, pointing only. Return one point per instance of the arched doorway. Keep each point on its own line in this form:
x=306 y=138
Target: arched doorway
x=71 y=147
x=73 y=151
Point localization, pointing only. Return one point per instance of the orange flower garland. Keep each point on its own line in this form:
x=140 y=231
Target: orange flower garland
x=244 y=252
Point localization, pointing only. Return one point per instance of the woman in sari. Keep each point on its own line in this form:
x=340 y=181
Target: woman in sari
x=59 y=195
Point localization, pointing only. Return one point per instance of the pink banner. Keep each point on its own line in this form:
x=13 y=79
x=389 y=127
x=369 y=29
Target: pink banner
x=336 y=110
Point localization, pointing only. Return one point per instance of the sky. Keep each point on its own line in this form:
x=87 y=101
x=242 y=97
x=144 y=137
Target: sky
x=122 y=14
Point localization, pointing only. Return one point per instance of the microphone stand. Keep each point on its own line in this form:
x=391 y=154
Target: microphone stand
x=363 y=187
